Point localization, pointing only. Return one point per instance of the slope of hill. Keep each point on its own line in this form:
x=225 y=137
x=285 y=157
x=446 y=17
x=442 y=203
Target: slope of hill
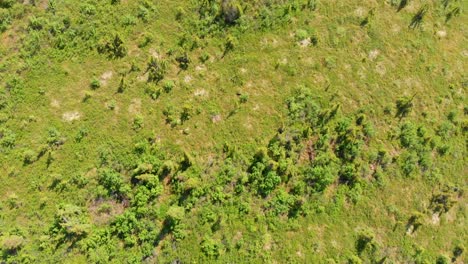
x=209 y=131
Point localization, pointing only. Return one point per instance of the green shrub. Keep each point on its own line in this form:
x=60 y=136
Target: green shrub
x=353 y=259
x=123 y=85
x=30 y=156
x=445 y=130
x=7 y=3
x=114 y=48
x=366 y=240
x=404 y=105
x=171 y=116
x=54 y=137
x=71 y=221
x=453 y=13
x=88 y=95
x=263 y=178
x=186 y=113
x=111 y=105
x=7 y=138
x=156 y=70
x=175 y=214
x=458 y=251
x=125 y=225
x=231 y=11
x=128 y=20
x=281 y=204
x=183 y=61
x=138 y=122
x=243 y=98
x=301 y=34
x=144 y=11
x=36 y=23
x=230 y=43
x=168 y=86
x=147 y=39
x=442 y=259
x=415 y=222
x=408 y=136
x=409 y=163
x=153 y=91
x=323 y=172
x=210 y=248
x=112 y=181
x=13 y=201
x=349 y=174
x=95 y=84
x=204 y=57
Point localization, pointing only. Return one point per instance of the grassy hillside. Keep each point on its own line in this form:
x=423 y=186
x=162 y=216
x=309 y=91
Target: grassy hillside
x=209 y=131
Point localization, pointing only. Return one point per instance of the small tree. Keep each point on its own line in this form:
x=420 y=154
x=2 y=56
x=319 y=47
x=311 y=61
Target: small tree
x=71 y=221
x=404 y=106
x=415 y=221
x=210 y=248
x=231 y=11
x=365 y=240
x=115 y=48
x=183 y=61
x=122 y=85
x=156 y=70
x=458 y=251
x=418 y=17
x=230 y=44
x=403 y=4
x=95 y=84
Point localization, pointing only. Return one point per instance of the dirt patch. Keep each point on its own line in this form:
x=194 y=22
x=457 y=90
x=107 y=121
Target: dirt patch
x=360 y=12
x=105 y=77
x=216 y=118
x=304 y=43
x=200 y=92
x=435 y=220
x=381 y=69
x=200 y=68
x=135 y=106
x=55 y=103
x=188 y=78
x=441 y=33
x=154 y=54
x=143 y=78
x=267 y=242
x=373 y=54
x=71 y=116
x=308 y=154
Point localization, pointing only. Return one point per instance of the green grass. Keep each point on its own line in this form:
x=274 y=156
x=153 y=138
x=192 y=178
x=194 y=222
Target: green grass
x=227 y=105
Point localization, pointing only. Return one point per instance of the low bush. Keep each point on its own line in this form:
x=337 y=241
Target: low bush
x=156 y=70
x=404 y=105
x=114 y=48
x=168 y=86
x=138 y=122
x=29 y=156
x=71 y=222
x=95 y=84
x=210 y=247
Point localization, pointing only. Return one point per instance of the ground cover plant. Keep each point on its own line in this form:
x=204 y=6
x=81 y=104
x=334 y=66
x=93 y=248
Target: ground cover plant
x=214 y=131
